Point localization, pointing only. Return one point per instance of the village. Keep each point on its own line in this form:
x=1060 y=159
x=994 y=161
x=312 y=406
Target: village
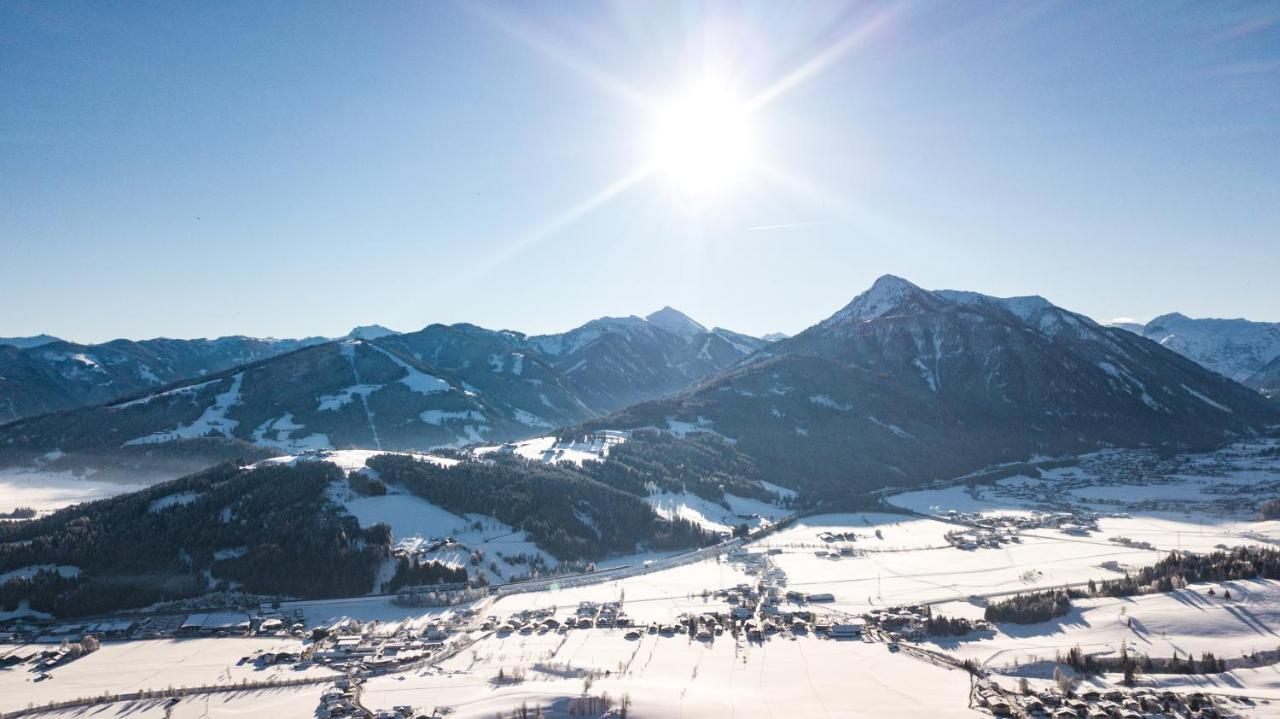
x=875 y=588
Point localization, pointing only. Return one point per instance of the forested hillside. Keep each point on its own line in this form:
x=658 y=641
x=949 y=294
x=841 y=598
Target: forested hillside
x=270 y=530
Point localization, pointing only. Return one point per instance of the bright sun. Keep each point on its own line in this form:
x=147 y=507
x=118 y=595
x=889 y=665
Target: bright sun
x=703 y=141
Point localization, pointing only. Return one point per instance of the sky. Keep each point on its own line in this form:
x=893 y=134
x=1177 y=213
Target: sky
x=292 y=169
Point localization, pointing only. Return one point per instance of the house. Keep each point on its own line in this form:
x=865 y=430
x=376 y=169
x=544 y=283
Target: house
x=848 y=630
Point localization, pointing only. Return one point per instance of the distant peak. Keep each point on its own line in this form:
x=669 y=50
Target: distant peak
x=1171 y=317
x=774 y=337
x=891 y=282
x=28 y=342
x=676 y=322
x=370 y=332
x=885 y=294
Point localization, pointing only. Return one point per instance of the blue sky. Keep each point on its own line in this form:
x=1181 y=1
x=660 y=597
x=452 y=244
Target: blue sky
x=288 y=169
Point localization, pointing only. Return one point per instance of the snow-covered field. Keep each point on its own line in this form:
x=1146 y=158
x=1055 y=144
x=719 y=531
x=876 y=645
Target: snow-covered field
x=679 y=677
x=1187 y=621
x=658 y=596
x=150 y=664
x=278 y=703
x=713 y=516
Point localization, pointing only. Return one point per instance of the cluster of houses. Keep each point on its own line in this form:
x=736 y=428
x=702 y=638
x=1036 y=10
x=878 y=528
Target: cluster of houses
x=1097 y=704
x=989 y=530
x=263 y=622
x=351 y=646
x=341 y=700
x=44 y=658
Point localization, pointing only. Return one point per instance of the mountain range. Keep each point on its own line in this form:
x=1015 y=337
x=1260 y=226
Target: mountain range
x=905 y=385
x=901 y=385
x=57 y=375
x=445 y=385
x=1235 y=348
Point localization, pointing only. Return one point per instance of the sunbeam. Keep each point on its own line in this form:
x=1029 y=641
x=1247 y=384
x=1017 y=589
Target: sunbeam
x=556 y=224
x=820 y=62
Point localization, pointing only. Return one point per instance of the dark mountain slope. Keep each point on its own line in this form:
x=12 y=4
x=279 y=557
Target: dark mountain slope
x=350 y=393
x=1267 y=379
x=60 y=375
x=904 y=384
x=616 y=361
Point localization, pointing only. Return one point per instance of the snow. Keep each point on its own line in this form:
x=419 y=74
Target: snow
x=407 y=515
x=530 y=419
x=1235 y=348
x=415 y=379
x=824 y=401
x=172 y=500
x=278 y=433
x=151 y=664
x=277 y=703
x=188 y=389
x=713 y=516
x=893 y=559
x=65 y=570
x=147 y=374
x=87 y=360
x=596 y=446
x=673 y=677
x=329 y=402
x=1206 y=400
x=214 y=420
x=884 y=296
x=677 y=323
x=681 y=428
x=23 y=610
x=1186 y=621
x=892 y=428
x=353 y=460
x=437 y=416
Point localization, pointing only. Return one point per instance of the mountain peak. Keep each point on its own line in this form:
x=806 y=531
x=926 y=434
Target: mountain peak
x=1171 y=317
x=370 y=332
x=885 y=294
x=676 y=322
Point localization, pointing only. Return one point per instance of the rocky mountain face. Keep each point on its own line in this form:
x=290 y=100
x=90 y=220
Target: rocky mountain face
x=905 y=384
x=616 y=361
x=1267 y=379
x=443 y=386
x=59 y=375
x=1234 y=348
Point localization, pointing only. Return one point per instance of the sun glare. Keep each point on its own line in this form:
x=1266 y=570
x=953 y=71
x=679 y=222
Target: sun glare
x=703 y=141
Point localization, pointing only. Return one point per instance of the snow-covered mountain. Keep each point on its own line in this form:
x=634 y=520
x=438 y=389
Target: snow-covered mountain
x=370 y=332
x=438 y=387
x=905 y=384
x=60 y=375
x=1235 y=348
x=347 y=393
x=613 y=362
